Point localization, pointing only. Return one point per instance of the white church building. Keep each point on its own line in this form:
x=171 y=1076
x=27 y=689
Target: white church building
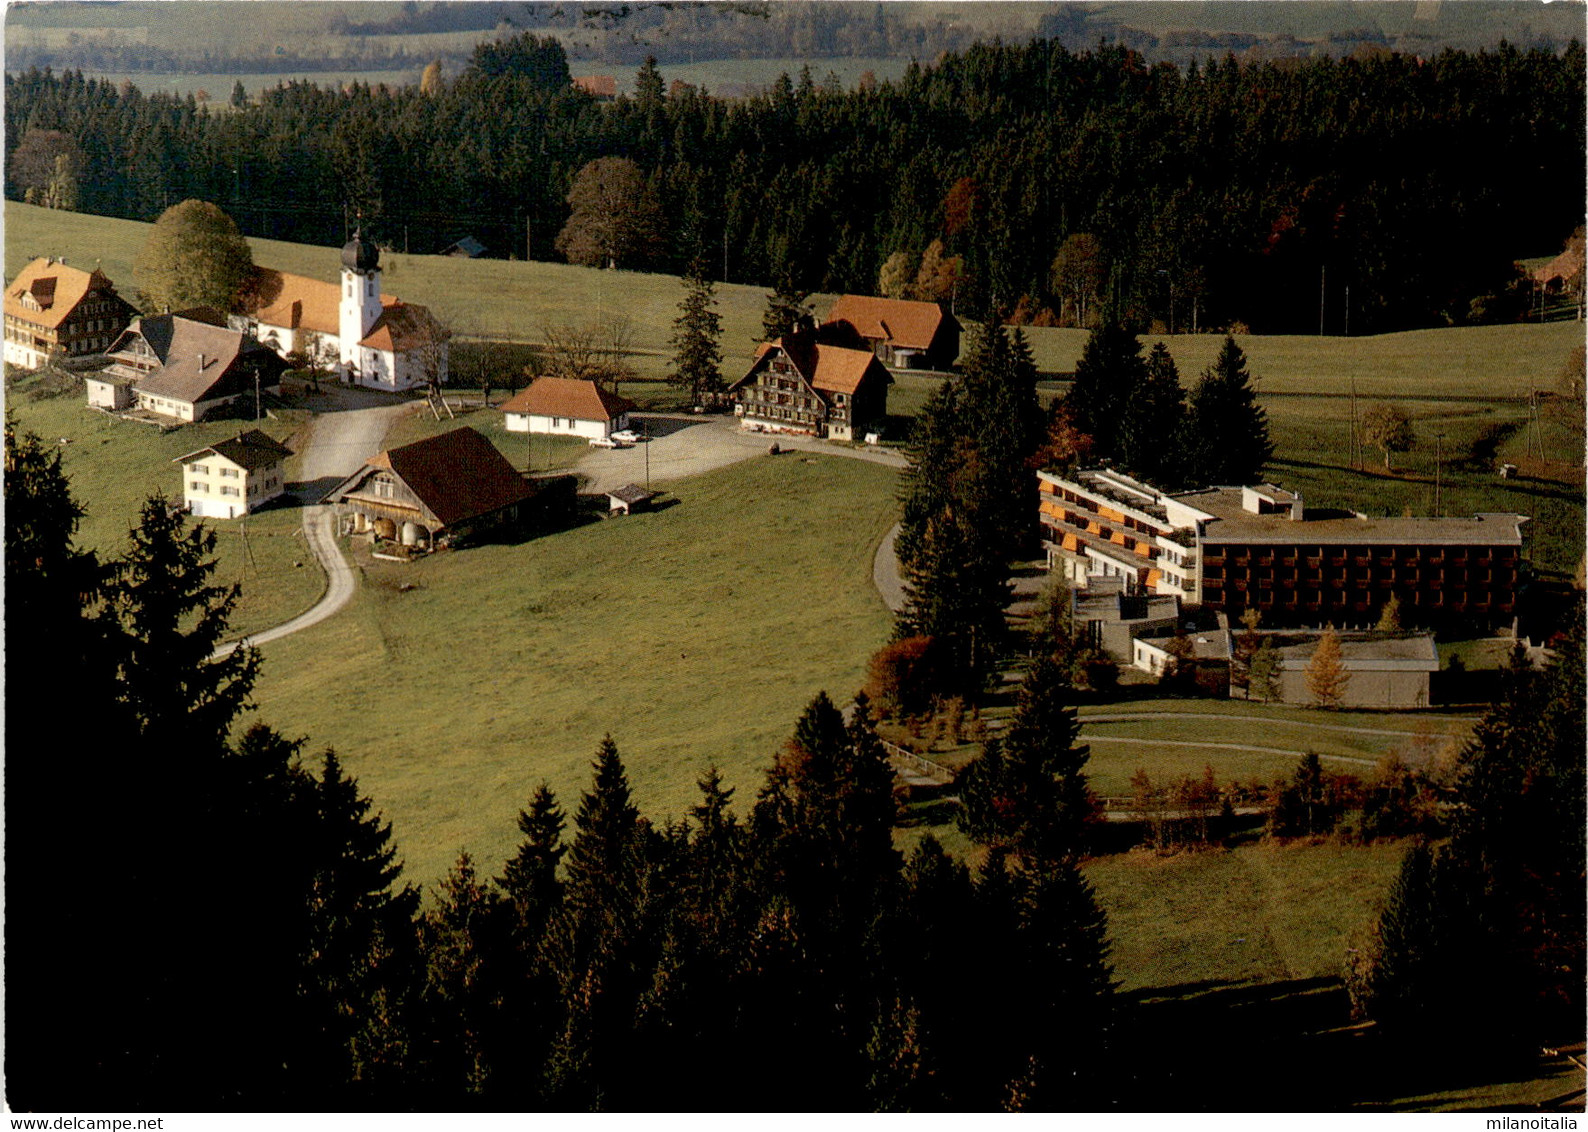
x=366 y=338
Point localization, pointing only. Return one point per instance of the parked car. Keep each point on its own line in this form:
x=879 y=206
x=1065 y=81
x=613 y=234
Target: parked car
x=606 y=442
x=628 y=436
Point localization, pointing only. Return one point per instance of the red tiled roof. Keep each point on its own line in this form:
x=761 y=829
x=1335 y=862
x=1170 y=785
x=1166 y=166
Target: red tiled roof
x=602 y=86
x=402 y=327
x=832 y=369
x=458 y=475
x=55 y=287
x=568 y=397
x=900 y=321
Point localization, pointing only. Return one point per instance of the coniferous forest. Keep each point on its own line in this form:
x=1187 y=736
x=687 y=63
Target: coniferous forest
x=1212 y=194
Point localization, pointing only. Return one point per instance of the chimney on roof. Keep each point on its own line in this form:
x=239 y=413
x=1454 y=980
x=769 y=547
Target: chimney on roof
x=202 y=363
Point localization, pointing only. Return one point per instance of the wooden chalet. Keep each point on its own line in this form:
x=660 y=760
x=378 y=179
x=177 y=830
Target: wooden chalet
x=52 y=309
x=437 y=491
x=187 y=366
x=805 y=383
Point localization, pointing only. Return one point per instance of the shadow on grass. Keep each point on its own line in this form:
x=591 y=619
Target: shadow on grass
x=1291 y=1045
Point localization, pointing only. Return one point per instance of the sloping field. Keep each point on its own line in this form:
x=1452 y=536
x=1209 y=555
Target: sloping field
x=453 y=686
x=481 y=298
x=115 y=465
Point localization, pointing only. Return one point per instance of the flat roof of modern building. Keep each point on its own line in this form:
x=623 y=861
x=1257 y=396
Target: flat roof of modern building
x=1232 y=523
x=1365 y=652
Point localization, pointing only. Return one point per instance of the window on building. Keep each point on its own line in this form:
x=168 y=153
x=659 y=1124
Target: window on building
x=201 y=469
x=201 y=488
x=385 y=487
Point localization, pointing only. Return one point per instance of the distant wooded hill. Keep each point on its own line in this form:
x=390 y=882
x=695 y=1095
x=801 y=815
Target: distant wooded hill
x=288 y=38
x=1382 y=192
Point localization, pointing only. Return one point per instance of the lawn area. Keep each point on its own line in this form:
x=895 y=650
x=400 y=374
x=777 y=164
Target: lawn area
x=114 y=465
x=692 y=635
x=1261 y=911
x=536 y=453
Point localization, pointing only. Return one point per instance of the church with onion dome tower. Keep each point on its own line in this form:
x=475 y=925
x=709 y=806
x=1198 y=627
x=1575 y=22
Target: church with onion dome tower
x=367 y=338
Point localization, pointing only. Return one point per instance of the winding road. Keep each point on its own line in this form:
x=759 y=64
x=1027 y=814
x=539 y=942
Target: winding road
x=340 y=440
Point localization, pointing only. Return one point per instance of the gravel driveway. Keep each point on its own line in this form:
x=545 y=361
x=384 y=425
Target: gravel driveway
x=348 y=431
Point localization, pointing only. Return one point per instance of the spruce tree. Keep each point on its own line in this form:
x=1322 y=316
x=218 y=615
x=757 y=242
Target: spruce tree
x=786 y=306
x=169 y=618
x=529 y=879
x=597 y=944
x=1227 y=438
x=1152 y=422
x=696 y=340
x=1108 y=377
x=1027 y=791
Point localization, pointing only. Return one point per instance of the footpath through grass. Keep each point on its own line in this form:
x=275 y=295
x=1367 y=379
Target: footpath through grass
x=114 y=465
x=453 y=686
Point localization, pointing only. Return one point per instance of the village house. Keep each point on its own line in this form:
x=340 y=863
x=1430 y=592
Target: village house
x=55 y=310
x=565 y=406
x=187 y=367
x=436 y=491
x=1229 y=549
x=804 y=383
x=603 y=88
x=365 y=337
x=904 y=334
x=234 y=477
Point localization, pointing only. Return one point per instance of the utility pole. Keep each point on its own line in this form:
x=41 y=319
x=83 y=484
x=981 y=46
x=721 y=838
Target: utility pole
x=1355 y=462
x=1323 y=275
x=257 y=413
x=1348 y=310
x=645 y=431
x=1438 y=468
x=725 y=253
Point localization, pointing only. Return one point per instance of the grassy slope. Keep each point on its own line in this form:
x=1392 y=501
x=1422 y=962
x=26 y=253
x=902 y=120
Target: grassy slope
x=681 y=633
x=114 y=465
x=1261 y=912
x=485 y=297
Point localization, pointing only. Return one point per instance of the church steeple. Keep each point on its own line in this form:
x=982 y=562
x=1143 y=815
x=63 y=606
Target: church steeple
x=360 y=298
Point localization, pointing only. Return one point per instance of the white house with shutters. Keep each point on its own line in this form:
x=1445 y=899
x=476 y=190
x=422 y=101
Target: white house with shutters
x=234 y=477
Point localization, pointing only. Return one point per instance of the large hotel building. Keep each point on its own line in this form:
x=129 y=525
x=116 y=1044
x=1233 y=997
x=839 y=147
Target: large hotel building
x=1231 y=548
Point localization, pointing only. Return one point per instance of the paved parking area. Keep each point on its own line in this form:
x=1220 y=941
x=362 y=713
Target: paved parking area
x=685 y=445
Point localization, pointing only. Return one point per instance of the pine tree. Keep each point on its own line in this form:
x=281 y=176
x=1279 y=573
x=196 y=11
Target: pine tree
x=786 y=307
x=1226 y=429
x=1108 y=377
x=1264 y=673
x=170 y=619
x=1504 y=895
x=1152 y=421
x=360 y=958
x=1027 y=792
x=1327 y=678
x=597 y=943
x=955 y=593
x=696 y=341
x=1389 y=618
x=530 y=879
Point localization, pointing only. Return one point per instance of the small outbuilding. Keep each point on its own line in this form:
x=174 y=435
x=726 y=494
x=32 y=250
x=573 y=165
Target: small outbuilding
x=466 y=248
x=110 y=391
x=629 y=498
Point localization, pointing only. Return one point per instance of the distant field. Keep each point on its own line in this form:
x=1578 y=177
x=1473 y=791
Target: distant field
x=693 y=635
x=115 y=465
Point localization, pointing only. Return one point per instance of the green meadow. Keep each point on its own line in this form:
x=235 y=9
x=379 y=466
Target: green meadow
x=693 y=635
x=114 y=465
